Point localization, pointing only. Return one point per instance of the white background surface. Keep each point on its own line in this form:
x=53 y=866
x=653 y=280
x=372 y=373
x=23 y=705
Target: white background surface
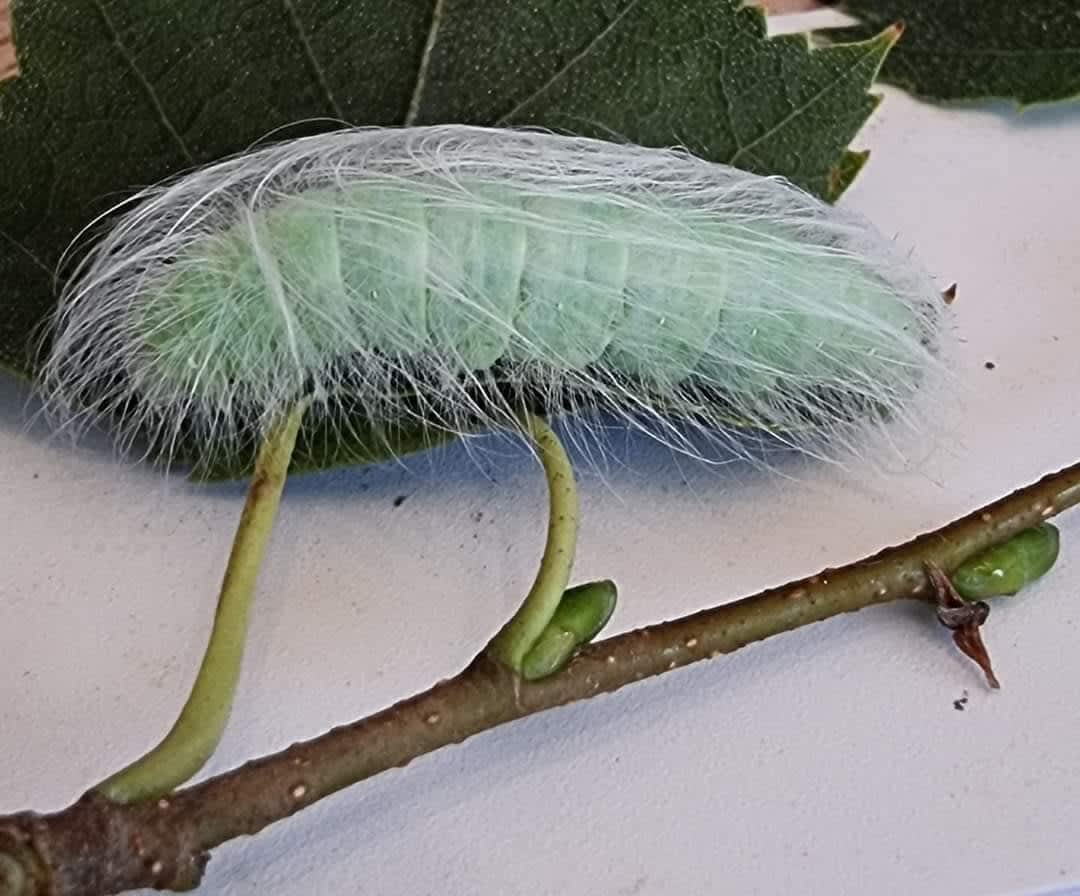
x=828 y=761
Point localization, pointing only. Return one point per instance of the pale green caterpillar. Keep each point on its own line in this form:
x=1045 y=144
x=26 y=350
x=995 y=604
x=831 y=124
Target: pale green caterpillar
x=455 y=276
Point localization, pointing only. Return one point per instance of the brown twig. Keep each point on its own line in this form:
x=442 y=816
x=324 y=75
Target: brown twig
x=9 y=65
x=97 y=847
x=782 y=7
x=964 y=619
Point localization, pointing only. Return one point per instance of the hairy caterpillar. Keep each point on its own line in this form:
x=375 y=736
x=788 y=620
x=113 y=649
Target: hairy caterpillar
x=454 y=275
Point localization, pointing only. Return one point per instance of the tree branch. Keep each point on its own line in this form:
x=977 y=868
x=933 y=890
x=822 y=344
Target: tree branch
x=98 y=847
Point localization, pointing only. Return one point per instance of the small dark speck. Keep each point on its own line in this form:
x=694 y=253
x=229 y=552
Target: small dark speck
x=960 y=703
x=479 y=515
x=37 y=475
x=399 y=500
x=989 y=365
x=637 y=887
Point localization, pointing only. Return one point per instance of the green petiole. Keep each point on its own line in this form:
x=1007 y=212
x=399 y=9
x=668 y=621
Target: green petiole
x=515 y=639
x=199 y=727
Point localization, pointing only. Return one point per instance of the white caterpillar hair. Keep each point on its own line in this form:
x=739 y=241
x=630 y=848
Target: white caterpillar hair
x=453 y=275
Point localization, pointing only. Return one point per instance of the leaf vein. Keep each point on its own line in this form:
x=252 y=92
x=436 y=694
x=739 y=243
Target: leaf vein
x=571 y=63
x=801 y=110
x=425 y=62
x=28 y=253
x=144 y=82
x=728 y=104
x=316 y=67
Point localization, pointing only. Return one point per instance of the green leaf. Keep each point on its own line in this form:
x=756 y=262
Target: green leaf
x=117 y=94
x=1027 y=51
x=322 y=446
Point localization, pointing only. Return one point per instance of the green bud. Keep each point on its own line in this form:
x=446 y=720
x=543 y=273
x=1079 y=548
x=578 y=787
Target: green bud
x=1007 y=568
x=582 y=612
x=586 y=609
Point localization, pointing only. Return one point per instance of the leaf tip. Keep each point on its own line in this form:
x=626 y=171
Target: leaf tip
x=893 y=33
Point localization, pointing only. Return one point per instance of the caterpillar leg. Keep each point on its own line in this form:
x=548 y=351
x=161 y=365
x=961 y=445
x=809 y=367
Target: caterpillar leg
x=199 y=727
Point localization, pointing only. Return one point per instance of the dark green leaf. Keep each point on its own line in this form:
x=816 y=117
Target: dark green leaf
x=322 y=447
x=1022 y=50
x=117 y=94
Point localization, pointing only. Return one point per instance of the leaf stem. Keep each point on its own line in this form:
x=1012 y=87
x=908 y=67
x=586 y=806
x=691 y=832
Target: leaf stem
x=97 y=847
x=198 y=729
x=525 y=627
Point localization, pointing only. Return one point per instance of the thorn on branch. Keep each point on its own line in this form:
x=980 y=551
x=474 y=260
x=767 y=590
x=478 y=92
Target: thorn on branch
x=963 y=619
